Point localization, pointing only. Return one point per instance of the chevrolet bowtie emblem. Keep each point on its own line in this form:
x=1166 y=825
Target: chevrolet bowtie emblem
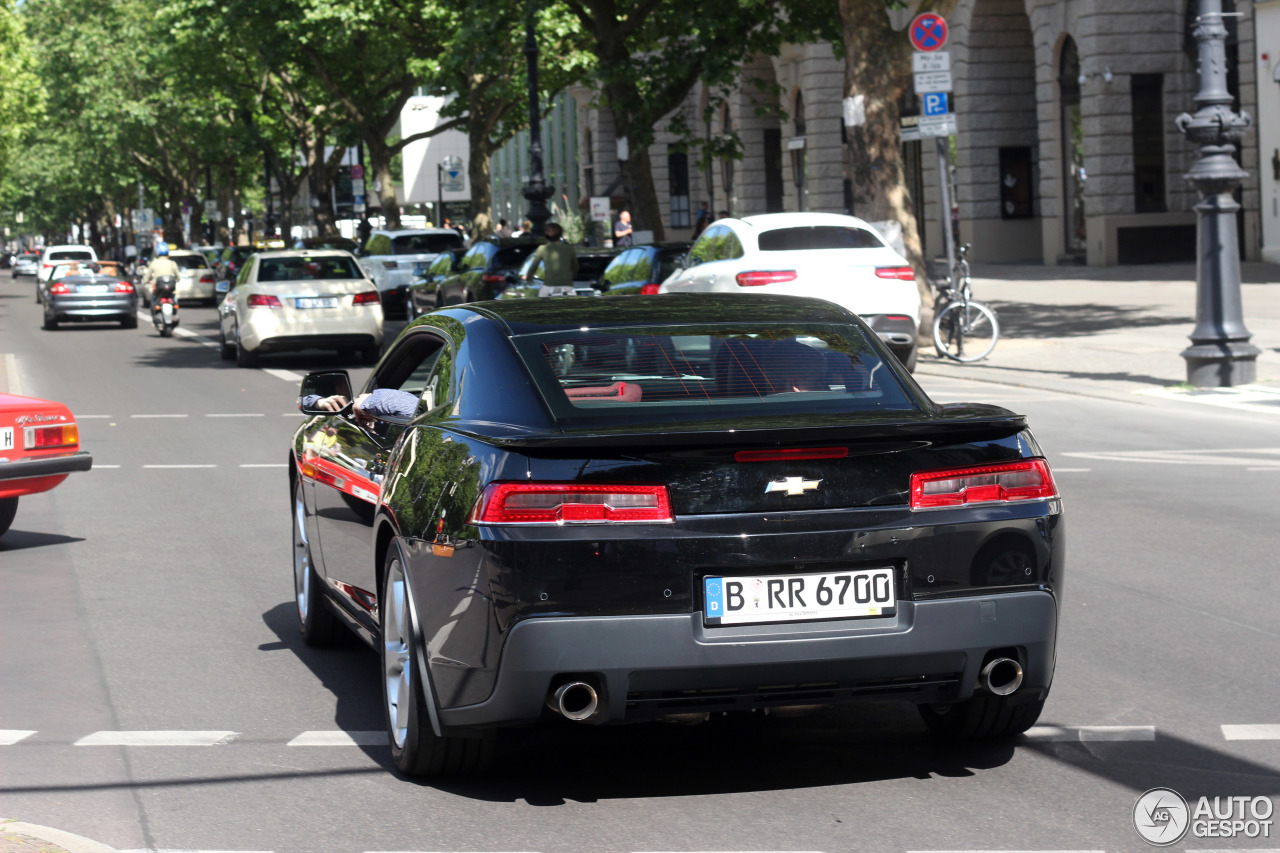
x=792 y=486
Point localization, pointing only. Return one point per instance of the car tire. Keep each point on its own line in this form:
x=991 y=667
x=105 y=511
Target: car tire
x=8 y=509
x=129 y=322
x=912 y=358
x=244 y=357
x=50 y=324
x=415 y=748
x=319 y=626
x=227 y=351
x=982 y=717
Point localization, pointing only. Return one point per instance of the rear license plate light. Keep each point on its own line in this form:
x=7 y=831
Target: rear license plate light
x=571 y=503
x=1028 y=480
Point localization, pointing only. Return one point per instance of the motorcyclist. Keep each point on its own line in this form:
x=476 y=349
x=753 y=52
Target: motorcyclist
x=162 y=264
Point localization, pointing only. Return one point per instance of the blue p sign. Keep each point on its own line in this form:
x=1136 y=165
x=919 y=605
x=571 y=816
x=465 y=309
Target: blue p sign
x=935 y=103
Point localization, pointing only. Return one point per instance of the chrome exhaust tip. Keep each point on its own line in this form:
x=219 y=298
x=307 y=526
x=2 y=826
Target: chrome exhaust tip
x=1001 y=676
x=575 y=700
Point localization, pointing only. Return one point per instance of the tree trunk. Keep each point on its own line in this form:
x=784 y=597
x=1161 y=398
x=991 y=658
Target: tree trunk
x=878 y=68
x=642 y=195
x=380 y=166
x=478 y=173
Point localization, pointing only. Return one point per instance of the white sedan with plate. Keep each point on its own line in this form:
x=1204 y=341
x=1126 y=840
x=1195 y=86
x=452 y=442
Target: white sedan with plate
x=823 y=255
x=294 y=300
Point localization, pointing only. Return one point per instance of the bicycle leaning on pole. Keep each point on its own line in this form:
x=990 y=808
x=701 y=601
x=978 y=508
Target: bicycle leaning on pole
x=963 y=328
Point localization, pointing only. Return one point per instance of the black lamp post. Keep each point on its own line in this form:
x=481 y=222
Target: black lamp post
x=1220 y=354
x=535 y=191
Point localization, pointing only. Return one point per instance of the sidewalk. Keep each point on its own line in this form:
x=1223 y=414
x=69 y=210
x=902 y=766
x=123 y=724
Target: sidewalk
x=1112 y=332
x=17 y=837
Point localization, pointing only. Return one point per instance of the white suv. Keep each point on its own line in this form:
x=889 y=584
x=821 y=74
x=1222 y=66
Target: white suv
x=53 y=254
x=825 y=255
x=391 y=259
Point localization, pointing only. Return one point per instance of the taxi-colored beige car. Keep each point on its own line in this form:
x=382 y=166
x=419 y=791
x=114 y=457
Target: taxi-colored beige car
x=295 y=300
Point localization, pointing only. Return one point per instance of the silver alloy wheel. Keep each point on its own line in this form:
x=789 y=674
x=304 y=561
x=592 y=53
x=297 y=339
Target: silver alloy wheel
x=301 y=556
x=397 y=668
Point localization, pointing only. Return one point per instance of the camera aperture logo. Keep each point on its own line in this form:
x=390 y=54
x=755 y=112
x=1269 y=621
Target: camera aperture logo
x=1163 y=817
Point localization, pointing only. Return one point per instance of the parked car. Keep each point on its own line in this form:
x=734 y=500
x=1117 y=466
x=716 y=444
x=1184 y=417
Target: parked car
x=52 y=254
x=423 y=295
x=39 y=448
x=391 y=257
x=823 y=255
x=293 y=300
x=84 y=293
x=640 y=270
x=26 y=264
x=488 y=268
x=586 y=282
x=626 y=510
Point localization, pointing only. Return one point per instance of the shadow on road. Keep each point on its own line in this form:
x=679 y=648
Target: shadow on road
x=22 y=540
x=1027 y=320
x=1117 y=376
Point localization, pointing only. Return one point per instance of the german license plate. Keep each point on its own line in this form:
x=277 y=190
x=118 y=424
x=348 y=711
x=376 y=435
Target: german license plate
x=91 y=288
x=799 y=598
x=317 y=302
x=6 y=438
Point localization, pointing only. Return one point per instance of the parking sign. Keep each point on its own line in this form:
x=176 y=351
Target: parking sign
x=934 y=103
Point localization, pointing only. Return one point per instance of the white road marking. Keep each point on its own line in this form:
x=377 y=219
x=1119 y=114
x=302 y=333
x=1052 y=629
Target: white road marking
x=1247 y=398
x=200 y=339
x=339 y=738
x=14 y=384
x=156 y=738
x=286 y=375
x=8 y=737
x=1089 y=734
x=1266 y=731
x=179 y=466
x=1233 y=457
x=242 y=415
x=267 y=465
x=158 y=416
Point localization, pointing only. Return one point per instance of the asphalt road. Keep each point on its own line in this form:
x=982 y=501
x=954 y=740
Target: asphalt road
x=153 y=595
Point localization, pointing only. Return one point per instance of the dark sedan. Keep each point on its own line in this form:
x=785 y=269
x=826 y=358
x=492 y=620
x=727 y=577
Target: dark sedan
x=640 y=270
x=487 y=269
x=90 y=295
x=618 y=511
x=424 y=294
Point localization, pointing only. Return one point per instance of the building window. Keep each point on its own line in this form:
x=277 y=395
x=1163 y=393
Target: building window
x=678 y=182
x=1147 y=93
x=1016 y=199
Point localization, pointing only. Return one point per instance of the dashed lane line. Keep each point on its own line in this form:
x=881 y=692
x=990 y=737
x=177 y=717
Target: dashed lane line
x=141 y=417
x=1252 y=732
x=267 y=465
x=8 y=737
x=286 y=375
x=179 y=466
x=339 y=738
x=156 y=738
x=1089 y=734
x=238 y=415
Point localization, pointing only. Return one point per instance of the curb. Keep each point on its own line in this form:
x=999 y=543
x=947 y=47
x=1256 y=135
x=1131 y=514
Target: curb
x=941 y=371
x=63 y=842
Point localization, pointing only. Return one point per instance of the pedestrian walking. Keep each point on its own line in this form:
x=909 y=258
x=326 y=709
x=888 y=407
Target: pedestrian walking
x=622 y=232
x=704 y=219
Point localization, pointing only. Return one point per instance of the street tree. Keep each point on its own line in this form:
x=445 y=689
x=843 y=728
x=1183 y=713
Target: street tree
x=649 y=55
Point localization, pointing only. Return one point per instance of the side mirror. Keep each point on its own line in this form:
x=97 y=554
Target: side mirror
x=320 y=384
x=222 y=286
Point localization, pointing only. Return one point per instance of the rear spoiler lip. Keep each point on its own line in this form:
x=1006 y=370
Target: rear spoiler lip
x=949 y=429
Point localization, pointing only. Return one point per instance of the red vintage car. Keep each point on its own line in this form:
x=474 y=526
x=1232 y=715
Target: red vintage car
x=39 y=447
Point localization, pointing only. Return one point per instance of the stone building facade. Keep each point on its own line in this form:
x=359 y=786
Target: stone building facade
x=1066 y=149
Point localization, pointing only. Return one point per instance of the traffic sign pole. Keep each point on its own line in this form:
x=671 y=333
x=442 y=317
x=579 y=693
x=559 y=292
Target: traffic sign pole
x=931 y=67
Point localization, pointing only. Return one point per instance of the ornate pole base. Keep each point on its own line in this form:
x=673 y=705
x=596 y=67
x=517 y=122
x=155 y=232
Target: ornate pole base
x=1221 y=364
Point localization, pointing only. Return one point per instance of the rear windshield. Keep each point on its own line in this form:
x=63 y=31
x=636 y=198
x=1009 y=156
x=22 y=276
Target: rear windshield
x=70 y=255
x=307 y=269
x=709 y=372
x=190 y=262
x=818 y=237
x=668 y=260
x=513 y=256
x=424 y=244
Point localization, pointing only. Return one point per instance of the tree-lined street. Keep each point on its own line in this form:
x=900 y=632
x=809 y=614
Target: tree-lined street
x=156 y=694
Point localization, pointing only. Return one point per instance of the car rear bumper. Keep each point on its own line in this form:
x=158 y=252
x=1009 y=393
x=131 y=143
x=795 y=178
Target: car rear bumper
x=287 y=343
x=31 y=476
x=273 y=330
x=649 y=666
x=104 y=307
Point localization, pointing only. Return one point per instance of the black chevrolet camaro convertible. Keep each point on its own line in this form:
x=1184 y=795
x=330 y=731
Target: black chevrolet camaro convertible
x=658 y=508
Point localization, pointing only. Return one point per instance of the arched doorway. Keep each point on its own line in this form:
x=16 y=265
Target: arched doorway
x=1073 y=173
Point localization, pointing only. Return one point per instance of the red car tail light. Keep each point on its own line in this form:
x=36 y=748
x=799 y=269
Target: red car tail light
x=899 y=273
x=650 y=289
x=1027 y=480
x=493 y=278
x=124 y=287
x=369 y=297
x=561 y=503
x=756 y=278
x=50 y=436
x=60 y=288
x=207 y=278
x=264 y=300
x=791 y=454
